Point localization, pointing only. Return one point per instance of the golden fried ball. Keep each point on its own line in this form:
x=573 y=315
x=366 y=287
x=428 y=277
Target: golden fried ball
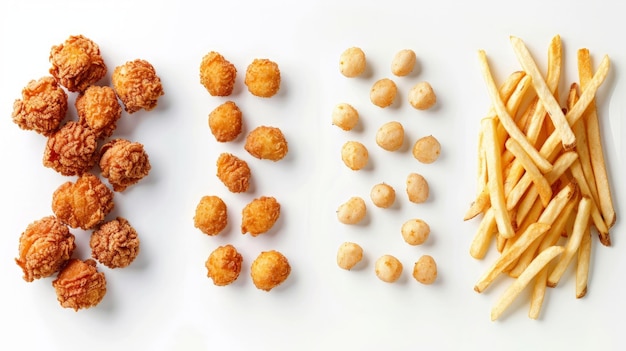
x=345 y=116
x=267 y=143
x=71 y=150
x=233 y=172
x=354 y=155
x=388 y=268
x=352 y=211
x=383 y=195
x=137 y=85
x=403 y=62
x=425 y=270
x=348 y=255
x=422 y=96
x=427 y=149
x=79 y=284
x=383 y=92
x=77 y=63
x=99 y=109
x=415 y=231
x=83 y=204
x=417 y=188
x=259 y=215
x=45 y=246
x=211 y=215
x=224 y=265
x=124 y=163
x=115 y=243
x=263 y=78
x=217 y=74
x=352 y=62
x=269 y=269
x=390 y=136
x=42 y=108
x=225 y=122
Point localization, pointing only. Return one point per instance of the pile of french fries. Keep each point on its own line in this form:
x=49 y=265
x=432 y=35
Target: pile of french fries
x=542 y=178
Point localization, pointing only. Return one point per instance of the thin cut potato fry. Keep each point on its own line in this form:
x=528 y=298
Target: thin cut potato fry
x=543 y=187
x=483 y=236
x=532 y=217
x=480 y=205
x=582 y=264
x=538 y=293
x=596 y=216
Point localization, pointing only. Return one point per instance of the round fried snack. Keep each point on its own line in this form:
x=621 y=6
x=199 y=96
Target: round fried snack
x=211 y=215
x=345 y=116
x=403 y=62
x=352 y=62
x=137 y=85
x=123 y=163
x=354 y=155
x=427 y=149
x=422 y=96
x=383 y=92
x=42 y=108
x=45 y=246
x=224 y=265
x=388 y=268
x=348 y=255
x=259 y=215
x=217 y=74
x=267 y=143
x=417 y=188
x=263 y=78
x=79 y=284
x=115 y=243
x=83 y=204
x=352 y=211
x=269 y=269
x=77 y=63
x=225 y=122
x=233 y=172
x=71 y=150
x=99 y=109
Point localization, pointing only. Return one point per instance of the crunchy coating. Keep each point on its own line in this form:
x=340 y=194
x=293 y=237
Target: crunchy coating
x=83 y=204
x=115 y=243
x=71 y=150
x=77 y=63
x=79 y=284
x=225 y=122
x=267 y=143
x=45 y=246
x=224 y=265
x=42 y=108
x=263 y=78
x=123 y=163
x=217 y=74
x=259 y=215
x=137 y=85
x=211 y=215
x=233 y=172
x=99 y=109
x=269 y=269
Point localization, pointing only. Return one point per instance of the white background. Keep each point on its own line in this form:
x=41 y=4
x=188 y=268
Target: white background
x=164 y=301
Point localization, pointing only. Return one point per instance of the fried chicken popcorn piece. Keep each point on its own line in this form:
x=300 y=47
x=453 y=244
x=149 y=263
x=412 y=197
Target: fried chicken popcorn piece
x=42 y=108
x=211 y=215
x=260 y=215
x=77 y=63
x=217 y=74
x=224 y=265
x=83 y=204
x=99 y=109
x=45 y=246
x=137 y=85
x=263 y=78
x=269 y=269
x=79 y=284
x=71 y=150
x=123 y=163
x=233 y=172
x=115 y=243
x=225 y=122
x=267 y=143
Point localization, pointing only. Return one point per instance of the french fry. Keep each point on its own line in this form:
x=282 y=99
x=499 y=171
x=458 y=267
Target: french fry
x=538 y=293
x=582 y=264
x=484 y=235
x=543 y=187
x=596 y=216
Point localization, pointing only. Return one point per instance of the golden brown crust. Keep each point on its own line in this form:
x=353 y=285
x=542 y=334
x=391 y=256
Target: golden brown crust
x=225 y=122
x=99 y=109
x=42 y=108
x=71 y=150
x=269 y=269
x=217 y=74
x=233 y=172
x=267 y=143
x=77 y=63
x=79 y=285
x=260 y=215
x=224 y=265
x=115 y=243
x=263 y=78
x=137 y=85
x=124 y=163
x=211 y=215
x=83 y=204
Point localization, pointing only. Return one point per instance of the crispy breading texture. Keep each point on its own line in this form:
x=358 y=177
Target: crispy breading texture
x=77 y=63
x=71 y=150
x=211 y=215
x=269 y=269
x=42 y=108
x=217 y=74
x=123 y=163
x=83 y=204
x=260 y=215
x=224 y=265
x=263 y=78
x=137 y=85
x=99 y=109
x=267 y=143
x=79 y=284
x=233 y=172
x=226 y=121
x=115 y=243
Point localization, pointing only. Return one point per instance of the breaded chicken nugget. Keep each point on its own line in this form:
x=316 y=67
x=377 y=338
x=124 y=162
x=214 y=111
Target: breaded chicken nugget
x=263 y=78
x=259 y=215
x=224 y=265
x=83 y=204
x=123 y=163
x=99 y=109
x=269 y=269
x=42 y=108
x=267 y=143
x=71 y=150
x=79 y=285
x=211 y=215
x=115 y=243
x=77 y=63
x=233 y=172
x=45 y=246
x=225 y=122
x=137 y=85
x=217 y=74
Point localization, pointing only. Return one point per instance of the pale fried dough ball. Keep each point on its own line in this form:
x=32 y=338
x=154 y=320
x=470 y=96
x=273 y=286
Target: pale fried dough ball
x=225 y=122
x=42 y=108
x=345 y=116
x=390 y=136
x=267 y=143
x=354 y=155
x=383 y=195
x=217 y=74
x=115 y=243
x=79 y=284
x=415 y=231
x=124 y=163
x=425 y=270
x=427 y=149
x=137 y=85
x=352 y=211
x=224 y=265
x=71 y=150
x=45 y=246
x=348 y=255
x=388 y=268
x=352 y=62
x=269 y=269
x=383 y=92
x=233 y=172
x=422 y=96
x=417 y=188
x=263 y=78
x=83 y=204
x=99 y=109
x=259 y=215
x=77 y=63
x=403 y=62
x=211 y=215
